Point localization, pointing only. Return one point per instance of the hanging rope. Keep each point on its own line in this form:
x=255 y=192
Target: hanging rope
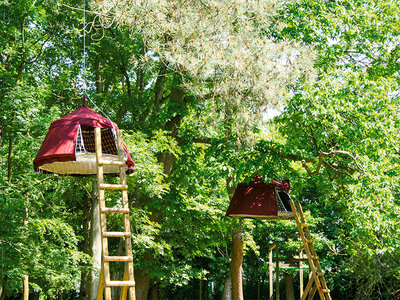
x=85 y=96
x=84 y=47
x=99 y=109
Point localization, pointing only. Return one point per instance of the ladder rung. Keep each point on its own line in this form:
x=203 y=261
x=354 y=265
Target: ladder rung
x=325 y=290
x=310 y=241
x=304 y=225
x=113 y=186
x=118 y=258
x=116 y=234
x=321 y=274
x=111 y=163
x=120 y=283
x=314 y=257
x=115 y=210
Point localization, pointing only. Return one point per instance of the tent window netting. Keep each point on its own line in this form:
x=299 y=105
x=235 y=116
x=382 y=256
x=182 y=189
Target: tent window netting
x=85 y=141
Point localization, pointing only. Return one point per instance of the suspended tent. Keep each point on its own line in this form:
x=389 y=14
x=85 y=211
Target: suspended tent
x=69 y=146
x=261 y=200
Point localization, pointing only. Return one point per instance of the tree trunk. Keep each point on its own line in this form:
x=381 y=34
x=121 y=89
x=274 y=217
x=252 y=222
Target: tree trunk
x=85 y=275
x=236 y=265
x=289 y=287
x=154 y=292
x=3 y=288
x=227 y=295
x=142 y=279
x=9 y=160
x=91 y=242
x=95 y=241
x=200 y=289
x=205 y=290
x=35 y=296
x=142 y=285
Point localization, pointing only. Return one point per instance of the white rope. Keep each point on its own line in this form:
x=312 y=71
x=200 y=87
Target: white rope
x=84 y=47
x=99 y=109
x=84 y=68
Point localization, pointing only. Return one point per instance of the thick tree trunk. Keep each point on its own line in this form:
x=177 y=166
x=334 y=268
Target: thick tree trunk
x=289 y=287
x=236 y=266
x=142 y=285
x=205 y=290
x=85 y=275
x=143 y=281
x=91 y=242
x=227 y=295
x=95 y=240
x=200 y=289
x=154 y=295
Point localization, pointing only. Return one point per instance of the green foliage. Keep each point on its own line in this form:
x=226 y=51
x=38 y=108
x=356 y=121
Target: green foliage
x=188 y=88
x=148 y=178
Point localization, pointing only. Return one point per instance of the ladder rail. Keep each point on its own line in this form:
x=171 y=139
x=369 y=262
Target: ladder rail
x=103 y=222
x=127 y=225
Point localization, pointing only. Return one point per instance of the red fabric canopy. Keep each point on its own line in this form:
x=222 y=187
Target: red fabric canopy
x=255 y=199
x=60 y=142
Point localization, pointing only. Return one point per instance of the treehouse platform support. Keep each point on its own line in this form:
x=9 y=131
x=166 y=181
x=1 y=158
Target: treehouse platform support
x=26 y=287
x=316 y=282
x=283 y=263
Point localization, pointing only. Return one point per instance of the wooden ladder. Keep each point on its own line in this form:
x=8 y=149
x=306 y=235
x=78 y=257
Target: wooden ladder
x=105 y=283
x=317 y=280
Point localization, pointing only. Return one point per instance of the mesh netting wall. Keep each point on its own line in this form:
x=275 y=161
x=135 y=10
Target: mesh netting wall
x=85 y=141
x=282 y=201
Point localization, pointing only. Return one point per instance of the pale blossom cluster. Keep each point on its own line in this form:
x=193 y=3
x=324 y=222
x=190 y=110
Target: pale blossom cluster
x=223 y=48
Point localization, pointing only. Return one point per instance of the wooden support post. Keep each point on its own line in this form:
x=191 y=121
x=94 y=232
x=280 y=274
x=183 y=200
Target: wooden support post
x=100 y=288
x=316 y=282
x=271 y=270
x=124 y=291
x=277 y=271
x=26 y=287
x=301 y=272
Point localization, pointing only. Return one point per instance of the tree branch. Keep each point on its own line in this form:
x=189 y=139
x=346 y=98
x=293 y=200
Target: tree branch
x=346 y=170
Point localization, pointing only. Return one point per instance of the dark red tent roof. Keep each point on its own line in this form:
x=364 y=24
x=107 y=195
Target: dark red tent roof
x=59 y=144
x=256 y=199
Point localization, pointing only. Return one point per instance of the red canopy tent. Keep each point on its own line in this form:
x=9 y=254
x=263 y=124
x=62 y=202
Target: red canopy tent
x=69 y=147
x=260 y=200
